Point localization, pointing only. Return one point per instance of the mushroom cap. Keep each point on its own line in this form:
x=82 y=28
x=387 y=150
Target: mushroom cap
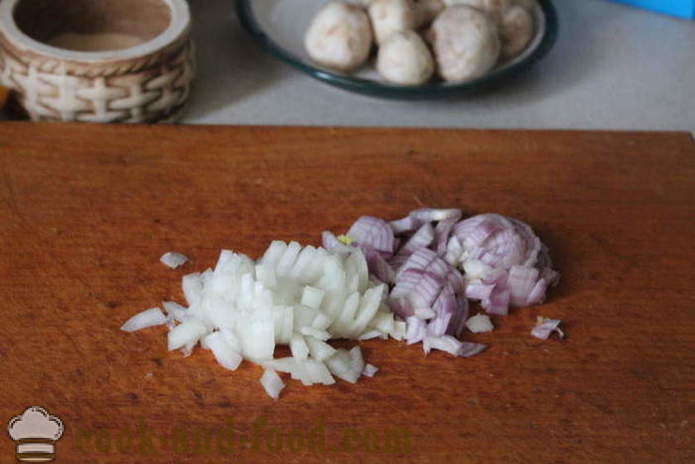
x=339 y=36
x=494 y=8
x=405 y=59
x=466 y=43
x=390 y=16
x=516 y=31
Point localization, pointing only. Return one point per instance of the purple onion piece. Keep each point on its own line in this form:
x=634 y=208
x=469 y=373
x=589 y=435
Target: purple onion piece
x=441 y=235
x=458 y=321
x=373 y=232
x=436 y=214
x=420 y=260
x=545 y=327
x=416 y=330
x=380 y=268
x=469 y=349
x=404 y=225
x=420 y=239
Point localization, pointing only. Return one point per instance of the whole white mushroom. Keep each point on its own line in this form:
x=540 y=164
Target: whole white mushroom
x=494 y=8
x=405 y=59
x=340 y=36
x=426 y=11
x=390 y=16
x=516 y=31
x=466 y=44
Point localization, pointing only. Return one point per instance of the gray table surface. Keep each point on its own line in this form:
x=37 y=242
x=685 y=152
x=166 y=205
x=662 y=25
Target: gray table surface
x=613 y=67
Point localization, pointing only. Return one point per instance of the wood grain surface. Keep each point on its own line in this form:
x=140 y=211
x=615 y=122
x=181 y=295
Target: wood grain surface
x=87 y=211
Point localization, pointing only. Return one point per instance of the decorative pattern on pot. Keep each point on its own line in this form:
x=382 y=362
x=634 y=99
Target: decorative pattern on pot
x=149 y=82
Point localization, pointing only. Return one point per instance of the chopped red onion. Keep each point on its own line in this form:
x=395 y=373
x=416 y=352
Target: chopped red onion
x=407 y=224
x=415 y=331
x=545 y=327
x=480 y=323
x=452 y=345
x=444 y=307
x=436 y=214
x=469 y=349
x=504 y=262
x=373 y=232
x=378 y=266
x=458 y=319
x=441 y=235
x=418 y=217
x=420 y=239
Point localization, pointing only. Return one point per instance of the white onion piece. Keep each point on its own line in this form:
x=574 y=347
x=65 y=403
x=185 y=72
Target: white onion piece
x=341 y=365
x=312 y=297
x=175 y=311
x=369 y=370
x=356 y=360
x=315 y=371
x=321 y=322
x=186 y=333
x=319 y=349
x=225 y=355
x=480 y=323
x=192 y=286
x=316 y=333
x=148 y=318
x=545 y=327
x=299 y=347
x=173 y=259
x=370 y=334
x=398 y=332
x=272 y=383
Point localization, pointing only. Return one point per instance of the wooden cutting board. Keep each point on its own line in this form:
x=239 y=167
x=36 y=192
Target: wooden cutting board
x=87 y=211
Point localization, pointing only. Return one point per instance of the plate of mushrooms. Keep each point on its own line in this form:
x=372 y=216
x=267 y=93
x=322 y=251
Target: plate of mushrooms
x=405 y=49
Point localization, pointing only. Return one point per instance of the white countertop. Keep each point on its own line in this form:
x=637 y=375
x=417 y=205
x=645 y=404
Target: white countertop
x=613 y=67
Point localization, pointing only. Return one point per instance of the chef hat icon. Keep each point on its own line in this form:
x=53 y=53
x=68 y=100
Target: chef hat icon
x=35 y=432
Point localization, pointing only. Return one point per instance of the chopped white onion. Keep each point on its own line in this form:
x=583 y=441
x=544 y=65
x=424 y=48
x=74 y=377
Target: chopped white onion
x=299 y=347
x=148 y=318
x=173 y=259
x=343 y=365
x=319 y=350
x=224 y=353
x=272 y=383
x=316 y=333
x=192 y=286
x=186 y=333
x=175 y=311
x=369 y=370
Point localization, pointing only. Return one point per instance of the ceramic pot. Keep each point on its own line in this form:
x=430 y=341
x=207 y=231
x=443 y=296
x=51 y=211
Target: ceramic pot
x=97 y=60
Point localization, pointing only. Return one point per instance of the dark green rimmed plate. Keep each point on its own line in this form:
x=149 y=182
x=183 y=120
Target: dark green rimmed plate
x=279 y=26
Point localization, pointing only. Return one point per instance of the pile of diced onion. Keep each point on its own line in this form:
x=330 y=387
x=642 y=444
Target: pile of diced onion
x=409 y=279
